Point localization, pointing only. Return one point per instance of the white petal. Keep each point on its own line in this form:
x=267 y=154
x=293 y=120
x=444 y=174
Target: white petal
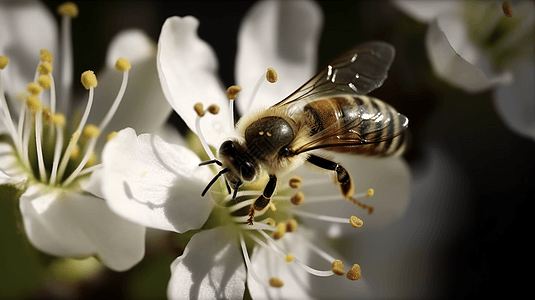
x=93 y=185
x=515 y=103
x=187 y=67
x=144 y=106
x=25 y=28
x=451 y=66
x=426 y=11
x=154 y=183
x=211 y=268
x=389 y=177
x=67 y=223
x=299 y=284
x=283 y=35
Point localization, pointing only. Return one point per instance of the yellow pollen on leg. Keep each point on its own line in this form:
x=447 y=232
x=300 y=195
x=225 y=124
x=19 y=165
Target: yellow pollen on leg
x=271 y=75
x=289 y=258
x=281 y=230
x=33 y=88
x=33 y=103
x=338 y=267
x=122 y=64
x=370 y=193
x=199 y=109
x=90 y=131
x=272 y=206
x=44 y=81
x=295 y=182
x=58 y=119
x=232 y=91
x=213 y=109
x=89 y=79
x=45 y=68
x=46 y=56
x=276 y=282
x=355 y=222
x=292 y=225
x=68 y=9
x=354 y=273
x=298 y=198
x=271 y=222
x=507 y=9
x=4 y=61
x=111 y=136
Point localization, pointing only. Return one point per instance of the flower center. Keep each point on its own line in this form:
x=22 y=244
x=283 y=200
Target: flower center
x=48 y=150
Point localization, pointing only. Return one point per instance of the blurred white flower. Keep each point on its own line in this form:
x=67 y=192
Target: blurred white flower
x=160 y=183
x=474 y=46
x=48 y=151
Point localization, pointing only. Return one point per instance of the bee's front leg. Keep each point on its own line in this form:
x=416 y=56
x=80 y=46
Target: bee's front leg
x=263 y=200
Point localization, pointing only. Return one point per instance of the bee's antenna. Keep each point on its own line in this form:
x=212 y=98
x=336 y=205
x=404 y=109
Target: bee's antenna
x=225 y=170
x=209 y=162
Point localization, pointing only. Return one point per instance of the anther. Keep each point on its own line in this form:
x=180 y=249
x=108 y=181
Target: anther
x=90 y=131
x=89 y=79
x=4 y=60
x=122 y=64
x=272 y=206
x=507 y=9
x=213 y=109
x=199 y=109
x=111 y=136
x=46 y=56
x=298 y=198
x=33 y=88
x=276 y=282
x=338 y=267
x=45 y=68
x=289 y=258
x=354 y=273
x=44 y=81
x=295 y=182
x=92 y=159
x=232 y=91
x=281 y=230
x=58 y=119
x=292 y=225
x=355 y=222
x=75 y=154
x=271 y=75
x=369 y=193
x=68 y=9
x=33 y=103
x=47 y=115
x=271 y=222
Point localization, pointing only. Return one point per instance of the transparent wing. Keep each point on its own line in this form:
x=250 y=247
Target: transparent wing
x=358 y=71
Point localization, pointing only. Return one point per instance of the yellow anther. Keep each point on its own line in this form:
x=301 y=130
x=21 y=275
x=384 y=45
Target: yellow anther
x=33 y=103
x=44 y=81
x=45 y=68
x=271 y=75
x=4 y=60
x=58 y=119
x=355 y=222
x=289 y=258
x=292 y=225
x=46 y=56
x=68 y=9
x=281 y=230
x=276 y=282
x=33 y=88
x=122 y=64
x=507 y=9
x=355 y=273
x=369 y=193
x=272 y=206
x=338 y=267
x=232 y=91
x=75 y=154
x=90 y=131
x=298 y=198
x=295 y=182
x=199 y=109
x=92 y=160
x=270 y=222
x=111 y=136
x=89 y=79
x=46 y=114
x=213 y=109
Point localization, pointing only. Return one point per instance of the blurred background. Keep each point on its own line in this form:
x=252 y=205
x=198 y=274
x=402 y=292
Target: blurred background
x=472 y=203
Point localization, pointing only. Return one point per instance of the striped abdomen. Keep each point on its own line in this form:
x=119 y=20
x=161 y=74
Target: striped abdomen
x=360 y=125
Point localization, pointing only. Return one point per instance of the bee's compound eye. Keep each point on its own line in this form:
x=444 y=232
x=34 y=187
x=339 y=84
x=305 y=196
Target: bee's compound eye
x=227 y=148
x=247 y=171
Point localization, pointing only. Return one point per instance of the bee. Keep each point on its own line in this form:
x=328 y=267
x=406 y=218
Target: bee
x=329 y=112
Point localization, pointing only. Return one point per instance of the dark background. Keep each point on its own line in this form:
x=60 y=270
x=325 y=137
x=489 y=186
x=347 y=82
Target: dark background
x=481 y=247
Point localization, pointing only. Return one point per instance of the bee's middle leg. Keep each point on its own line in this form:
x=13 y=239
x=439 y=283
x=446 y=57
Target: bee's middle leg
x=263 y=200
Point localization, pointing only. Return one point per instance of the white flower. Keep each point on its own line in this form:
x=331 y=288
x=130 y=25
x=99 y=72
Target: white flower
x=45 y=149
x=161 y=182
x=474 y=46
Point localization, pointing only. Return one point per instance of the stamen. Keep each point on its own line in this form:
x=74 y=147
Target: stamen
x=298 y=198
x=90 y=131
x=338 y=267
x=289 y=258
x=369 y=193
x=45 y=68
x=295 y=182
x=355 y=222
x=46 y=56
x=271 y=75
x=232 y=91
x=354 y=273
x=89 y=79
x=75 y=153
x=281 y=230
x=33 y=103
x=291 y=225
x=200 y=112
x=33 y=88
x=213 y=109
x=248 y=262
x=507 y=9
x=4 y=61
x=68 y=9
x=276 y=282
x=122 y=65
x=321 y=217
x=111 y=136
x=38 y=145
x=199 y=109
x=44 y=81
x=59 y=120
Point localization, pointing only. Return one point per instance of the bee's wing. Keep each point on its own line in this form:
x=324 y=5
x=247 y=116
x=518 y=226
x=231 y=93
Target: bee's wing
x=358 y=71
x=370 y=123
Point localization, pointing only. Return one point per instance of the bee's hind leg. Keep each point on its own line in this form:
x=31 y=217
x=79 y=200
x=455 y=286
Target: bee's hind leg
x=342 y=177
x=263 y=200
